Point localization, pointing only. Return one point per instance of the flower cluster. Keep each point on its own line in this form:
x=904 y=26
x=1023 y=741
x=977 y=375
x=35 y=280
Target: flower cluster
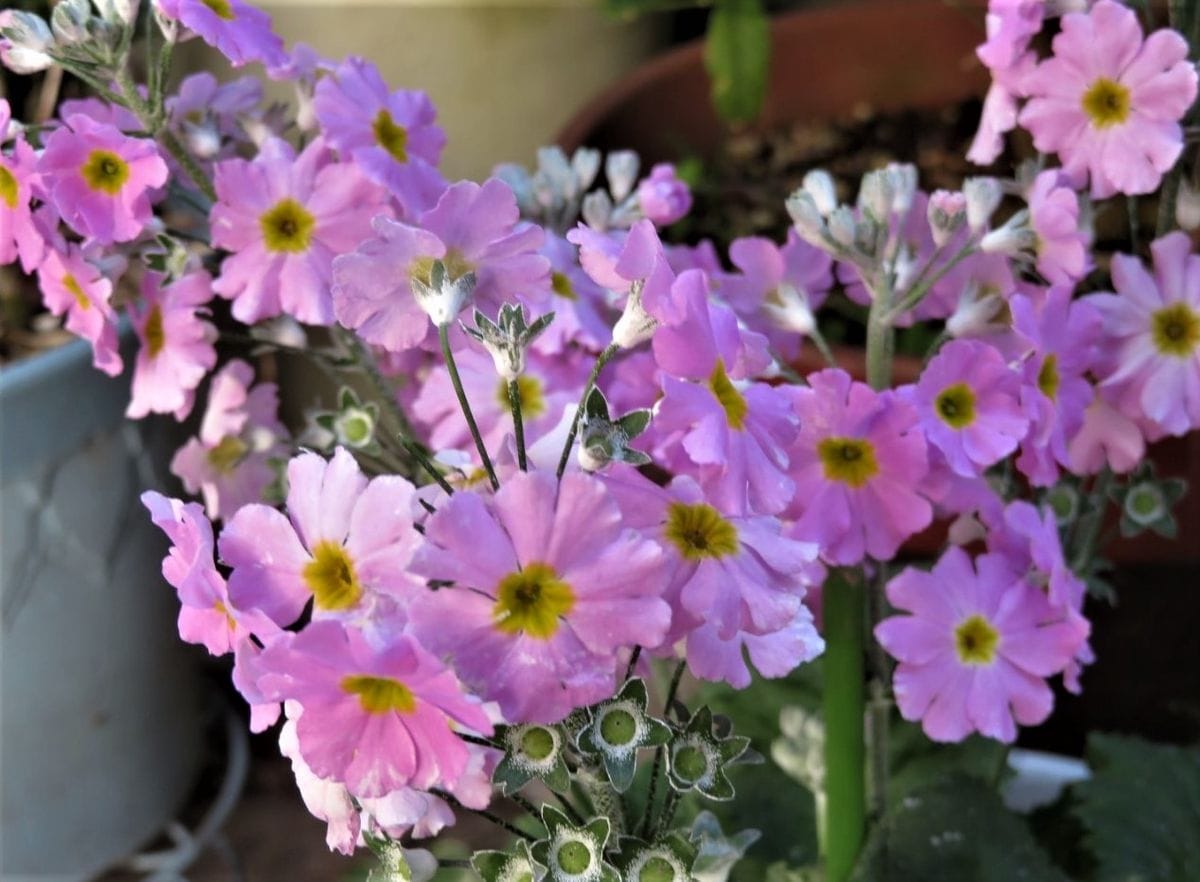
x=448 y=579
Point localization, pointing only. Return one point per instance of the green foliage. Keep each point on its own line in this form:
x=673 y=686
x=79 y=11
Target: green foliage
x=1141 y=810
x=737 y=55
x=917 y=762
x=951 y=831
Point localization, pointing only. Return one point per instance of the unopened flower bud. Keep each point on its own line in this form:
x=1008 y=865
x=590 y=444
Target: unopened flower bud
x=975 y=313
x=26 y=42
x=1187 y=207
x=354 y=427
x=875 y=195
x=1013 y=238
x=597 y=210
x=69 y=21
x=788 y=309
x=818 y=183
x=635 y=326
x=621 y=168
x=168 y=27
x=902 y=180
x=585 y=164
x=118 y=12
x=843 y=226
x=508 y=338
x=983 y=198
x=663 y=197
x=806 y=217
x=443 y=298
x=947 y=214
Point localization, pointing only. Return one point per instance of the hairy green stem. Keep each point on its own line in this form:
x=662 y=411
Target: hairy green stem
x=456 y=381
x=514 y=402
x=601 y=361
x=1087 y=529
x=845 y=819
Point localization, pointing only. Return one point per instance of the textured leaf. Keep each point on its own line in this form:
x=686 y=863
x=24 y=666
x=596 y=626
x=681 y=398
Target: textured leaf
x=956 y=829
x=1141 y=810
x=737 y=54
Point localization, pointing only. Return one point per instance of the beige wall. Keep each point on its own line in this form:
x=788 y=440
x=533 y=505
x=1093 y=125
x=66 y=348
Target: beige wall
x=505 y=76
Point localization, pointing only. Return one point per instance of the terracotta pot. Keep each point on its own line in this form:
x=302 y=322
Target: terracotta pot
x=825 y=63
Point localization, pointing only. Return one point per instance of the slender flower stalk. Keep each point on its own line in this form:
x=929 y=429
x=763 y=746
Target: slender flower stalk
x=514 y=401
x=456 y=380
x=601 y=361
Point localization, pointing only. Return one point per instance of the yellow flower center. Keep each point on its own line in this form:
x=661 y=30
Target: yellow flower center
x=287 y=227
x=8 y=187
x=330 y=576
x=220 y=8
x=848 y=460
x=532 y=600
x=456 y=266
x=1176 y=330
x=956 y=406
x=156 y=337
x=380 y=695
x=561 y=284
x=105 y=172
x=699 y=531
x=391 y=136
x=72 y=284
x=728 y=396
x=976 y=641
x=1048 y=379
x=533 y=403
x=1107 y=103
x=227 y=454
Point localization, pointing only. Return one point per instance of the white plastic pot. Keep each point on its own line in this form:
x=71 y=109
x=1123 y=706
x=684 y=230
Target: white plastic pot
x=100 y=717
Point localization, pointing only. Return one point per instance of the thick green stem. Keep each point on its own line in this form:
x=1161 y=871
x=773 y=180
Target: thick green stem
x=514 y=402
x=609 y=351
x=456 y=381
x=880 y=344
x=845 y=760
x=1087 y=528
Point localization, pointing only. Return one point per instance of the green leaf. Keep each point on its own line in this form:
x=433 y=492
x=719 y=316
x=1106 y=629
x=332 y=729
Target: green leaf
x=955 y=829
x=737 y=55
x=1141 y=810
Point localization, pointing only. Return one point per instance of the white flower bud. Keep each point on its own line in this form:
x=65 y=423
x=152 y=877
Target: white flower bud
x=902 y=179
x=585 y=163
x=1187 y=207
x=807 y=217
x=168 y=27
x=635 y=326
x=1012 y=238
x=597 y=210
x=818 y=183
x=69 y=21
x=621 y=168
x=875 y=195
x=118 y=12
x=443 y=298
x=788 y=308
x=983 y=198
x=843 y=226
x=975 y=313
x=27 y=41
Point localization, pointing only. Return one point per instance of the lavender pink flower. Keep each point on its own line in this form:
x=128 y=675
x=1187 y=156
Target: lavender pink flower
x=857 y=464
x=1061 y=244
x=968 y=401
x=377 y=716
x=1109 y=101
x=177 y=344
x=392 y=136
x=239 y=31
x=547 y=584
x=344 y=545
x=975 y=647
x=1151 y=329
x=73 y=286
x=100 y=180
x=19 y=235
x=285 y=216
x=662 y=196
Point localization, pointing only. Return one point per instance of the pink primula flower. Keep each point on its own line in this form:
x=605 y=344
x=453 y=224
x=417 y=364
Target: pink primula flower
x=1152 y=333
x=230 y=462
x=662 y=196
x=206 y=616
x=100 y=180
x=472 y=228
x=1109 y=102
x=1106 y=438
x=1011 y=24
x=1059 y=336
x=1061 y=246
x=177 y=345
x=285 y=216
x=345 y=543
x=729 y=433
x=377 y=716
x=392 y=136
x=968 y=401
x=19 y=235
x=72 y=285
x=975 y=647
x=239 y=31
x=857 y=463
x=548 y=583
